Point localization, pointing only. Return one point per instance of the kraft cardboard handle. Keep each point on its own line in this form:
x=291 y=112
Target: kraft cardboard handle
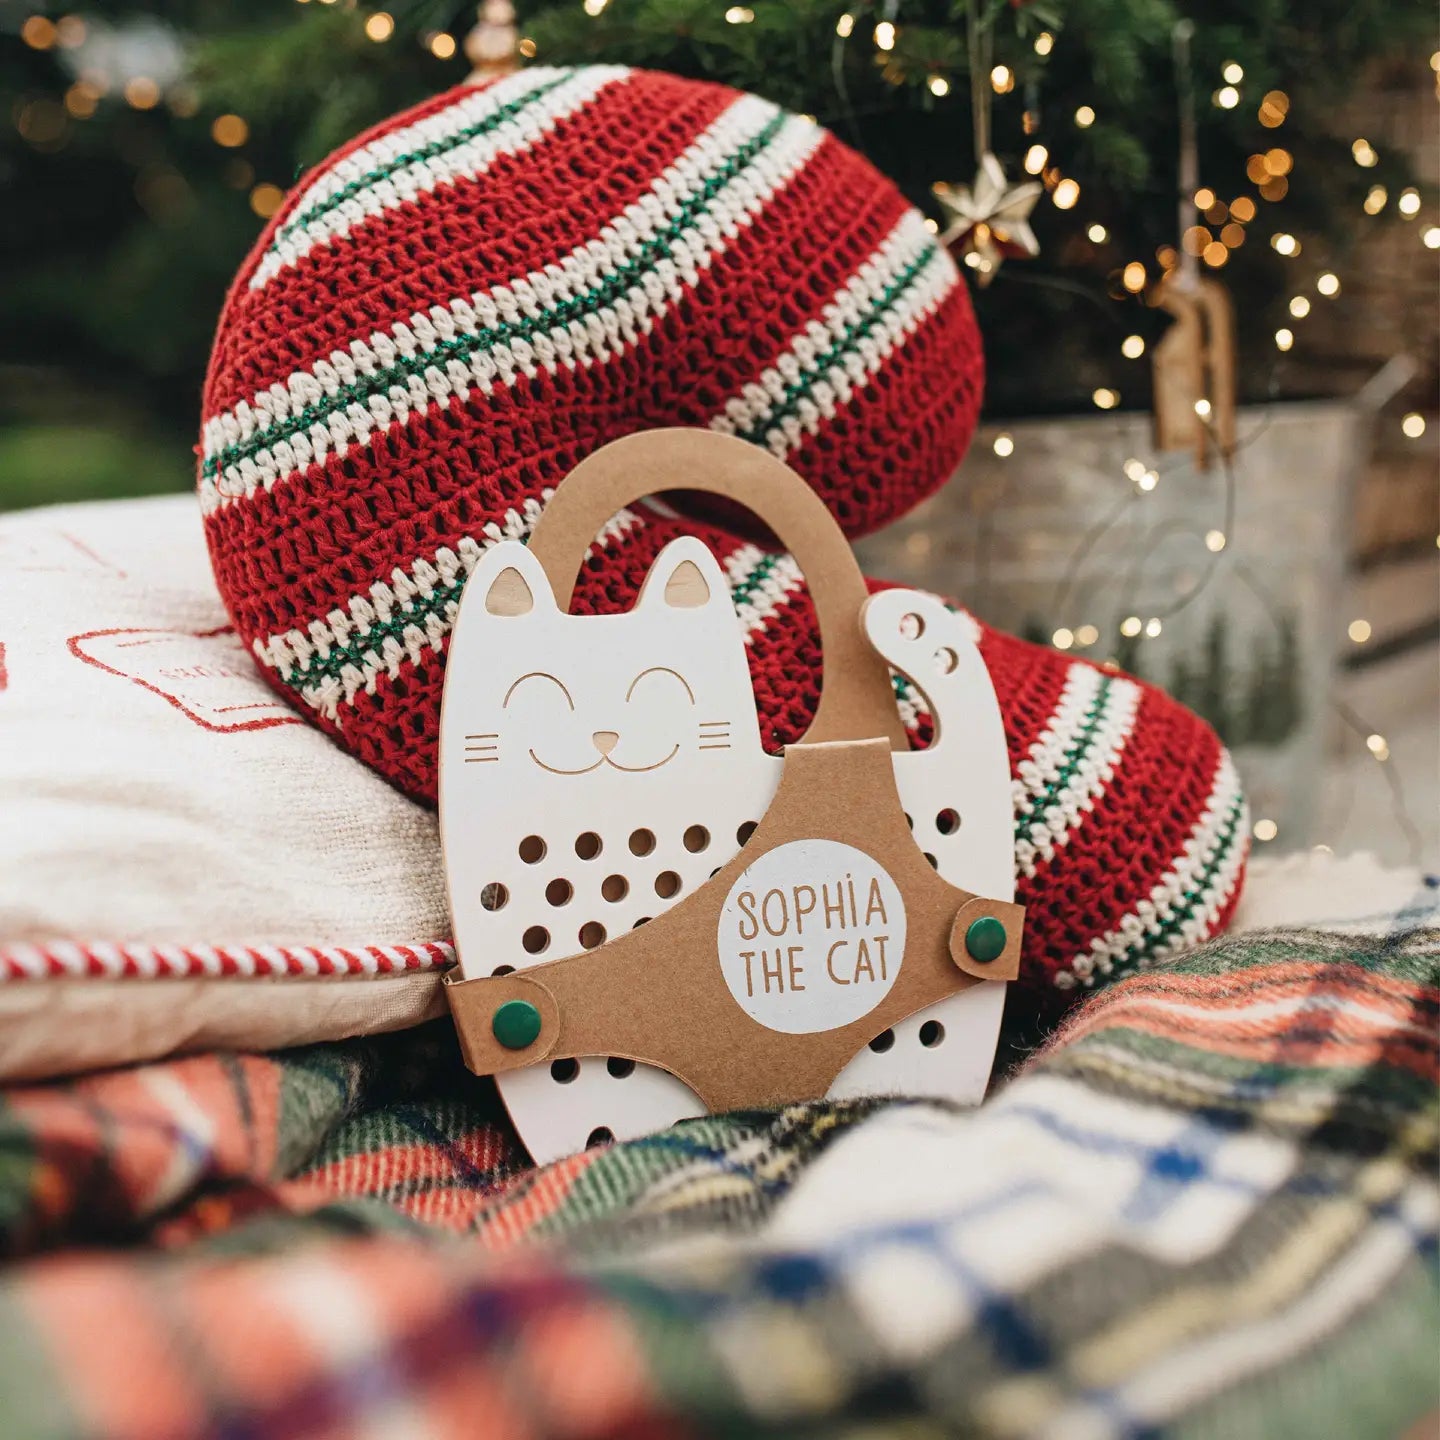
x=856 y=698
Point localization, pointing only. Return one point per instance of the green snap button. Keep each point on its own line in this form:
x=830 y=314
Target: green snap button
x=985 y=939
x=516 y=1024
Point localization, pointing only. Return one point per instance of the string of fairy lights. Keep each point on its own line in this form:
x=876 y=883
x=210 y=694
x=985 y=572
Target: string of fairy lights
x=1225 y=230
x=145 y=70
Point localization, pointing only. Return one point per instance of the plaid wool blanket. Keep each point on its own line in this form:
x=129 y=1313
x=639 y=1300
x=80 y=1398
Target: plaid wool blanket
x=1207 y=1208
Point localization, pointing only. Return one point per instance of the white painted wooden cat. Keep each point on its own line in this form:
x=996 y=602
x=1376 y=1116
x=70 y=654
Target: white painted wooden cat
x=597 y=769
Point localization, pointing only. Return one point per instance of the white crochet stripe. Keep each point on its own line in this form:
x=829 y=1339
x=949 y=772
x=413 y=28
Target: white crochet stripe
x=556 y=98
x=604 y=332
x=1206 y=845
x=1089 y=749
x=830 y=383
x=770 y=595
x=291 y=653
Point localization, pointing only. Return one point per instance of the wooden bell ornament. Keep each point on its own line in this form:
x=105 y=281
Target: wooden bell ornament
x=1195 y=361
x=654 y=917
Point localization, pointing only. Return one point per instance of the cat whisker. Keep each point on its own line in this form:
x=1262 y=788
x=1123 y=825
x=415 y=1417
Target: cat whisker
x=481 y=759
x=725 y=746
x=491 y=736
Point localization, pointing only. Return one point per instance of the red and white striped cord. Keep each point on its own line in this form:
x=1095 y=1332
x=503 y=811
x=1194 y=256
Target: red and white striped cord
x=62 y=959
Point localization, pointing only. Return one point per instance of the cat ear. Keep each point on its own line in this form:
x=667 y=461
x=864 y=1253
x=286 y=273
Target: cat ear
x=512 y=581
x=685 y=576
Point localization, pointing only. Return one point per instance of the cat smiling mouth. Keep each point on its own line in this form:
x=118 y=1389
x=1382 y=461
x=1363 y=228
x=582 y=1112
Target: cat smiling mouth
x=606 y=760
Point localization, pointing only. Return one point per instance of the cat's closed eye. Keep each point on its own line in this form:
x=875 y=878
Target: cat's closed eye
x=660 y=671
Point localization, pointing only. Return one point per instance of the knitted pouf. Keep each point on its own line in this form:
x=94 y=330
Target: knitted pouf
x=453 y=310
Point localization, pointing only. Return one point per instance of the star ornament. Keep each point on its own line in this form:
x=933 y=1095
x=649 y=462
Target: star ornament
x=989 y=222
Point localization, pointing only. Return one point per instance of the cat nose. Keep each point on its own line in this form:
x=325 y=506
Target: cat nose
x=605 y=740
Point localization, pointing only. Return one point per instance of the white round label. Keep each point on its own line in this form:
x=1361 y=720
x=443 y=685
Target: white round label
x=811 y=936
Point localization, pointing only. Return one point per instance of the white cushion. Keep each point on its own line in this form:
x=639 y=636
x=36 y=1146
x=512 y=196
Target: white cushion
x=165 y=814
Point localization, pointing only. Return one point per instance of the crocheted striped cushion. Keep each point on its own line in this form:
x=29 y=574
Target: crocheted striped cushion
x=453 y=310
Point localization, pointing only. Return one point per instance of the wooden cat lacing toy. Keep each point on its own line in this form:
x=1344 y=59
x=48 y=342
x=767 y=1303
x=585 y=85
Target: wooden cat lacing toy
x=655 y=917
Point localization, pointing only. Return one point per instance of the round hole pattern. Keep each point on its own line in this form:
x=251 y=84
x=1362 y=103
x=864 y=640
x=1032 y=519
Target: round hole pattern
x=558 y=892
x=503 y=970
x=667 y=883
x=912 y=626
x=614 y=888
x=883 y=1041
x=535 y=939
x=642 y=842
x=620 y=1067
x=934 y=863
x=697 y=837
x=932 y=1033
x=494 y=896
x=588 y=845
x=947 y=822
x=643 y=920
x=946 y=660
x=564 y=1071
x=592 y=933
x=532 y=849
x=600 y=1135
x=744 y=833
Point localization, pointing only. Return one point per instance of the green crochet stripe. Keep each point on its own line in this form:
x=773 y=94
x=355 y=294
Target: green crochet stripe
x=744 y=589
x=1075 y=752
x=462 y=347
x=415 y=613
x=1136 y=955
x=485 y=126
x=849 y=341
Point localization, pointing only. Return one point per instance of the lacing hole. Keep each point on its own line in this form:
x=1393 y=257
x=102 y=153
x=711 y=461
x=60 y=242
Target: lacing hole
x=614 y=888
x=697 y=837
x=883 y=1041
x=946 y=660
x=535 y=939
x=600 y=1135
x=494 y=896
x=588 y=845
x=643 y=920
x=744 y=833
x=912 y=626
x=932 y=1032
x=592 y=933
x=620 y=1067
x=642 y=842
x=503 y=970
x=947 y=822
x=667 y=883
x=934 y=863
x=564 y=1071
x=558 y=892
x=532 y=849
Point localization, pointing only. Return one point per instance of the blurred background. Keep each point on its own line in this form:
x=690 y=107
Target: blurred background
x=1203 y=256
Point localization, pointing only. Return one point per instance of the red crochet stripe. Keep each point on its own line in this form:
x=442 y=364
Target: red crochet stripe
x=414 y=115
x=908 y=429
x=525 y=212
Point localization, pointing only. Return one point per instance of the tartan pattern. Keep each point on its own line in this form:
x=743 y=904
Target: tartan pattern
x=1208 y=1207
